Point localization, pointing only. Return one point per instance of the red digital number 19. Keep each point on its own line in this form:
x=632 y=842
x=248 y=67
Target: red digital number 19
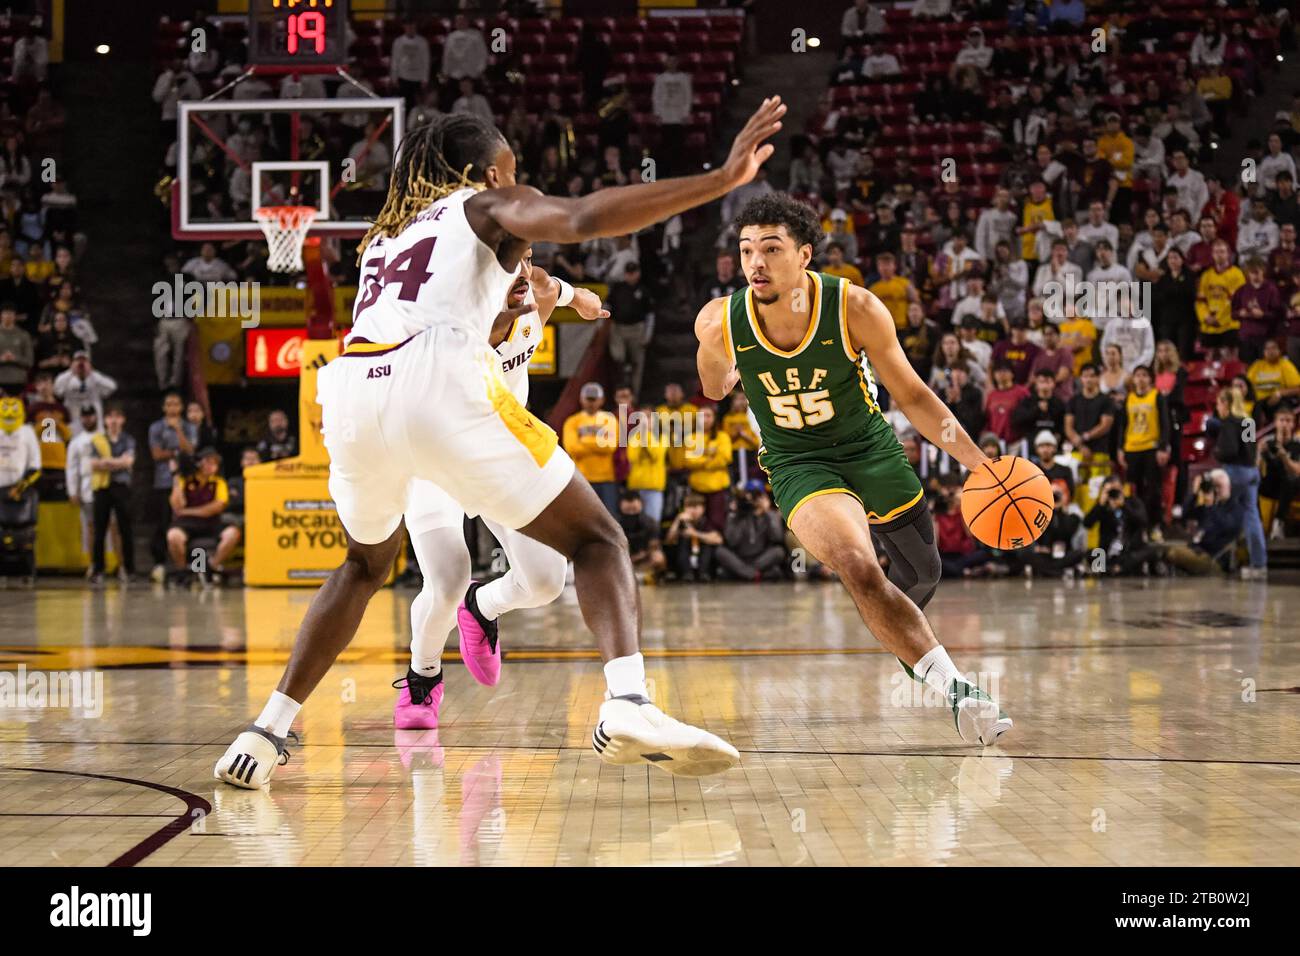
x=310 y=25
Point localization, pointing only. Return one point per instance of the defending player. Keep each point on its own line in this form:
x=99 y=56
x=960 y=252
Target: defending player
x=418 y=393
x=436 y=526
x=798 y=342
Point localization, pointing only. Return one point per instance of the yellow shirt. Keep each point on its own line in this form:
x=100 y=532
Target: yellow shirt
x=675 y=429
x=736 y=425
x=40 y=271
x=1080 y=334
x=1143 y=431
x=591 y=441
x=1035 y=213
x=100 y=480
x=647 y=458
x=846 y=271
x=1214 y=299
x=1117 y=149
x=893 y=293
x=1215 y=88
x=1269 y=377
x=709 y=461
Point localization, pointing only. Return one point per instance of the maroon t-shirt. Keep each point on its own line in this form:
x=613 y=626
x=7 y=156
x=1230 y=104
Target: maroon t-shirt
x=1019 y=357
x=1054 y=362
x=998 y=408
x=1270 y=303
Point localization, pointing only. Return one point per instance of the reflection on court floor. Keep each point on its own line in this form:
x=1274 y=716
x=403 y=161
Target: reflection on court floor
x=1155 y=724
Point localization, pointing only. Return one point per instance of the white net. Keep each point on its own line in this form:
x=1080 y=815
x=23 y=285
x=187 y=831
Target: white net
x=285 y=228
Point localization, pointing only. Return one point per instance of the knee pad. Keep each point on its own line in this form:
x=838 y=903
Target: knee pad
x=914 y=565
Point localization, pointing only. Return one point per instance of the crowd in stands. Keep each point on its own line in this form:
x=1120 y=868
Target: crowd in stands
x=1064 y=268
x=47 y=336
x=1042 y=212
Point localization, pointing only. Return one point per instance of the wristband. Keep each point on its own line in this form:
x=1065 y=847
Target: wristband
x=566 y=292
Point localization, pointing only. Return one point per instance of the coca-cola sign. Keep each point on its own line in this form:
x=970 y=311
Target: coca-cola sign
x=273 y=353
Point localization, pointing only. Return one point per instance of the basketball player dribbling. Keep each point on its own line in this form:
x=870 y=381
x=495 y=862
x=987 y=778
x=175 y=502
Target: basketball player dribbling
x=799 y=343
x=418 y=394
x=435 y=523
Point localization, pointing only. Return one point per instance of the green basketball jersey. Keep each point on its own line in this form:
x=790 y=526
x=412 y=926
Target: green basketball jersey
x=818 y=400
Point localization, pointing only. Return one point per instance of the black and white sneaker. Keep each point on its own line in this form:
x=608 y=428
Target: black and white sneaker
x=249 y=761
x=632 y=730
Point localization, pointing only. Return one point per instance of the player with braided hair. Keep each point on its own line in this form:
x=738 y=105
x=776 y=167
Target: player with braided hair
x=419 y=394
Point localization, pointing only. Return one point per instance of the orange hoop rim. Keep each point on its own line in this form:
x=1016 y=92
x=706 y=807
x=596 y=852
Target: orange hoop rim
x=287 y=217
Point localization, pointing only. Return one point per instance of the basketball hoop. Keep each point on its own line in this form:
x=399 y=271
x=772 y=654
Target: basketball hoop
x=285 y=228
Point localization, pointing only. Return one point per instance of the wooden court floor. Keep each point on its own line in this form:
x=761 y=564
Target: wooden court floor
x=1156 y=723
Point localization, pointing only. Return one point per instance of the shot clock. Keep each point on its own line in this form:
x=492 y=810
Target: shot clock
x=297 y=34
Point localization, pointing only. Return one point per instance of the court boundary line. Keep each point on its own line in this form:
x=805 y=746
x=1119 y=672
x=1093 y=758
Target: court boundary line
x=160 y=837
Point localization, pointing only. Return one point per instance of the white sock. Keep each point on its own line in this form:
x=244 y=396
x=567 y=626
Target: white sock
x=936 y=669
x=492 y=599
x=626 y=675
x=278 y=714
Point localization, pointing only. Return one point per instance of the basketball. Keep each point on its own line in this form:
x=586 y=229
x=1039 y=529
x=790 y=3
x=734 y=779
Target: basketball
x=1007 y=503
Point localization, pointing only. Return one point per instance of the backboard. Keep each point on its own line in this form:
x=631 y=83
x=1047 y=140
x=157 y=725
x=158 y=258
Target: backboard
x=333 y=153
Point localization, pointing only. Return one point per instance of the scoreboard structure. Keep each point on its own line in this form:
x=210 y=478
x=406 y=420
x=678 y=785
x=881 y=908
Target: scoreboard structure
x=302 y=36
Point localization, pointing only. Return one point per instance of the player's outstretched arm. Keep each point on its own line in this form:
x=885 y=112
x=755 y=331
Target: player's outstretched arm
x=523 y=212
x=718 y=375
x=546 y=289
x=871 y=327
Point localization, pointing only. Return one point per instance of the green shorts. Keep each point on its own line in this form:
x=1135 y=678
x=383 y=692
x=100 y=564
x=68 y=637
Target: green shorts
x=880 y=478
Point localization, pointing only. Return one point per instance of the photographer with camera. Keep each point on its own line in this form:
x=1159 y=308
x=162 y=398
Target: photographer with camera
x=1061 y=545
x=1235 y=448
x=753 y=541
x=693 y=541
x=1123 y=526
x=1218 y=520
x=1279 y=455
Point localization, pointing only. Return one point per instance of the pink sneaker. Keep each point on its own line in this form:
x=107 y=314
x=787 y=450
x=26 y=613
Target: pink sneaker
x=418 y=702
x=478 y=641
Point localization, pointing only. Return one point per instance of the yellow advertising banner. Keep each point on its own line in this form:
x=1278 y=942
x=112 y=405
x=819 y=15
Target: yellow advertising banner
x=316 y=354
x=544 y=360
x=292 y=530
x=221 y=349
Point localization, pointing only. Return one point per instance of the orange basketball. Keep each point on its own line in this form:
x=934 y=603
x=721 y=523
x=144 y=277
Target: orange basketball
x=1007 y=503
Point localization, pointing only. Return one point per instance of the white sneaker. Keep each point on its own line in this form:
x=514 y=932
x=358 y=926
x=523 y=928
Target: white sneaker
x=251 y=759
x=977 y=716
x=632 y=730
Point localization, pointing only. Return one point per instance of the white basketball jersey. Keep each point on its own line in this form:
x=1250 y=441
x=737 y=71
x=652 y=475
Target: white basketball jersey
x=436 y=272
x=517 y=348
